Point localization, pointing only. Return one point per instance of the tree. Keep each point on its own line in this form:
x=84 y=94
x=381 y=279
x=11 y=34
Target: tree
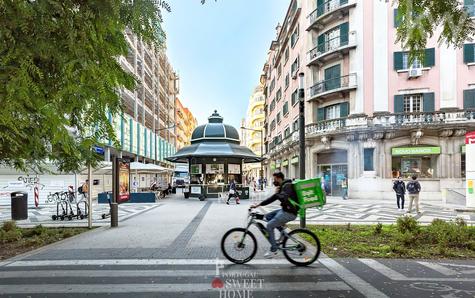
x=59 y=73
x=420 y=20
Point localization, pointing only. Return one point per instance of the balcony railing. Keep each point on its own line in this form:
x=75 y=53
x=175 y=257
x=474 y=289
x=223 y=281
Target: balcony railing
x=333 y=45
x=334 y=84
x=325 y=8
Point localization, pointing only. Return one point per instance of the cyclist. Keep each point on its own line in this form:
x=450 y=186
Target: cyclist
x=288 y=201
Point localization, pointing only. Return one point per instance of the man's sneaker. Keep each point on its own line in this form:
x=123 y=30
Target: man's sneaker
x=270 y=254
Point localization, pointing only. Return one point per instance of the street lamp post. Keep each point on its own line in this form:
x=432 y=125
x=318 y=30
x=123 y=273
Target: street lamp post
x=302 y=138
x=261 y=174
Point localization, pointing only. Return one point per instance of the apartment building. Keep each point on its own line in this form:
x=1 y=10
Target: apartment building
x=370 y=115
x=185 y=124
x=252 y=135
x=146 y=129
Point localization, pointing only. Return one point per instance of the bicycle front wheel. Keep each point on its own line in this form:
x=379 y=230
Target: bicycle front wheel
x=239 y=246
x=302 y=247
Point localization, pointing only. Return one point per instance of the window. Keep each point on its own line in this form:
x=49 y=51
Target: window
x=286 y=55
x=295 y=125
x=272 y=125
x=272 y=85
x=278 y=95
x=279 y=70
x=413 y=103
x=401 y=60
x=287 y=81
x=295 y=66
x=469 y=99
x=368 y=159
x=470 y=7
x=422 y=166
x=287 y=132
x=405 y=62
x=285 y=109
x=469 y=53
x=295 y=97
x=332 y=112
x=278 y=117
x=462 y=165
x=294 y=37
x=272 y=105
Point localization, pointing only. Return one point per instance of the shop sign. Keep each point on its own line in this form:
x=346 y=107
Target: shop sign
x=196 y=169
x=470 y=138
x=294 y=160
x=285 y=163
x=415 y=151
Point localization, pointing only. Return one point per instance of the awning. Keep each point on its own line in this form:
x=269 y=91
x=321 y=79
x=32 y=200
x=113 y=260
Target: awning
x=142 y=167
x=215 y=149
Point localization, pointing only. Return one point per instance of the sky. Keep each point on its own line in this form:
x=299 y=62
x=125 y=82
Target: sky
x=219 y=50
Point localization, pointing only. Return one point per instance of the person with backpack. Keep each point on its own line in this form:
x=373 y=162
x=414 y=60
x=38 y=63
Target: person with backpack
x=400 y=188
x=233 y=192
x=413 y=188
x=277 y=218
x=84 y=189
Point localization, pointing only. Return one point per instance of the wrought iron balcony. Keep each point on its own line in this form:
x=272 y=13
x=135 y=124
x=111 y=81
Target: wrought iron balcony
x=334 y=47
x=327 y=87
x=327 y=11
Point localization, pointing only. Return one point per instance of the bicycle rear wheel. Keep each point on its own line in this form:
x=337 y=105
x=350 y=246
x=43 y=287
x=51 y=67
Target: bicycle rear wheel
x=302 y=247
x=239 y=246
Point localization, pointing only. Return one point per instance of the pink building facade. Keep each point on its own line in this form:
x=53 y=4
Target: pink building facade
x=370 y=115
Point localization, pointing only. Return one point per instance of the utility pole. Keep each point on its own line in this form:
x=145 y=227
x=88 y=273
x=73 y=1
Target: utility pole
x=302 y=138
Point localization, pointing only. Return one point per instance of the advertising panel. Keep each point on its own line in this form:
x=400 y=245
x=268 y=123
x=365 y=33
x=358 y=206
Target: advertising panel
x=234 y=169
x=123 y=172
x=214 y=168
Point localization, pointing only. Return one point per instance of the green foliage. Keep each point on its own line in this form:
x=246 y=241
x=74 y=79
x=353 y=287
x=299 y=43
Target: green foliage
x=449 y=234
x=421 y=19
x=59 y=70
x=9 y=226
x=407 y=224
x=10 y=236
x=378 y=228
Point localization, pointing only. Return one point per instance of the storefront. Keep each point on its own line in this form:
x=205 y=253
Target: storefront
x=420 y=161
x=333 y=167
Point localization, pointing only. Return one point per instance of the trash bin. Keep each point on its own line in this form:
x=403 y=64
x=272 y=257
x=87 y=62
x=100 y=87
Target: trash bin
x=186 y=194
x=174 y=190
x=19 y=203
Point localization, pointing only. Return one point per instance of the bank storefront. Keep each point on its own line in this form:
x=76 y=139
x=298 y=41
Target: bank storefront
x=421 y=161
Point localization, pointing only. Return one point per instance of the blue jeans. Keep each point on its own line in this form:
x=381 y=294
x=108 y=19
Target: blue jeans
x=277 y=218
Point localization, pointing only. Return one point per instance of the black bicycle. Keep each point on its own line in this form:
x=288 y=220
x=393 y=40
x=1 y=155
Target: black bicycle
x=300 y=246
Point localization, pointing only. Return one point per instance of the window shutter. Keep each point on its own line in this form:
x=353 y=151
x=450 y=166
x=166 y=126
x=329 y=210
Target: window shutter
x=397 y=21
x=469 y=99
x=398 y=61
x=469 y=53
x=321 y=43
x=321 y=114
x=344 y=109
x=429 y=58
x=344 y=33
x=429 y=102
x=398 y=103
x=343 y=2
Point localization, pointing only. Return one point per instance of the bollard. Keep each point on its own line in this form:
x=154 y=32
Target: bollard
x=114 y=215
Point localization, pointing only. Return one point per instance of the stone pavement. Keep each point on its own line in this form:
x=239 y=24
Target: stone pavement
x=173 y=251
x=356 y=211
x=43 y=215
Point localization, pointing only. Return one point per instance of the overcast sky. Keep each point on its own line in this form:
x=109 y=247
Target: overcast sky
x=219 y=50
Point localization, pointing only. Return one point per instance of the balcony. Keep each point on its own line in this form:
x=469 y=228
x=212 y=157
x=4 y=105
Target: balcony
x=409 y=120
x=331 y=86
x=333 y=48
x=328 y=12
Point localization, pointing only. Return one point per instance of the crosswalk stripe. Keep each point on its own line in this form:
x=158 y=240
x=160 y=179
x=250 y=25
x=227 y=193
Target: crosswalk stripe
x=160 y=273
x=384 y=270
x=439 y=268
x=138 y=262
x=181 y=288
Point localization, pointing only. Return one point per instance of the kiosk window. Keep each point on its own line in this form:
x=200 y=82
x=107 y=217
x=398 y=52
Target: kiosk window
x=423 y=167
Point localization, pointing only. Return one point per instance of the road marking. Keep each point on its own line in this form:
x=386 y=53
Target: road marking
x=384 y=270
x=137 y=262
x=170 y=288
x=439 y=268
x=396 y=276
x=352 y=279
x=163 y=273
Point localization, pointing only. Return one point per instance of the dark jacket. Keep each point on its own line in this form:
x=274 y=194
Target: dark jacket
x=399 y=187
x=232 y=186
x=286 y=192
x=416 y=188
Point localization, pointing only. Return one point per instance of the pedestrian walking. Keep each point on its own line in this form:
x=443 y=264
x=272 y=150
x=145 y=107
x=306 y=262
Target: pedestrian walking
x=400 y=188
x=84 y=189
x=233 y=192
x=413 y=188
x=265 y=182
x=344 y=188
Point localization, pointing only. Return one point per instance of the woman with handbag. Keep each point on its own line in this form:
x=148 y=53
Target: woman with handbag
x=232 y=192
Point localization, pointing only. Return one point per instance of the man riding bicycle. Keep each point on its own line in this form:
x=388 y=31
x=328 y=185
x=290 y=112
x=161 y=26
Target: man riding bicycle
x=288 y=201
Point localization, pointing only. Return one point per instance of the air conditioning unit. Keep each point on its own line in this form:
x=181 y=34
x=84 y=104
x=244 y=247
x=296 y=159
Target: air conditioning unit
x=414 y=73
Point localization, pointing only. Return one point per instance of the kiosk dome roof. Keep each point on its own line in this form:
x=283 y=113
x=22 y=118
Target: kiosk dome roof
x=215 y=130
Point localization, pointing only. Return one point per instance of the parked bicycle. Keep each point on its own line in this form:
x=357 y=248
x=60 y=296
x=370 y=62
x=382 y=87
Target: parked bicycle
x=300 y=246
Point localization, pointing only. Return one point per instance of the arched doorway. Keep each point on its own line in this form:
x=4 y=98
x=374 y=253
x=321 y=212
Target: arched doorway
x=332 y=165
